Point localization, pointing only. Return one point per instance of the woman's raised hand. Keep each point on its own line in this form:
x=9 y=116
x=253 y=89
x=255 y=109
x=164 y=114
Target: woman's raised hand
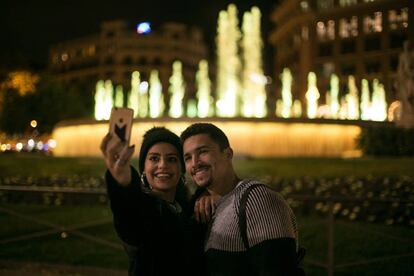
x=117 y=155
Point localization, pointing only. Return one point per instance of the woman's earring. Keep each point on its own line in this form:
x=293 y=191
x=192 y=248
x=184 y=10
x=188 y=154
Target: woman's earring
x=143 y=181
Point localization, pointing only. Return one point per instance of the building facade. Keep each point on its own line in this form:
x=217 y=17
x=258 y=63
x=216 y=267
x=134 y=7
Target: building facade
x=119 y=49
x=363 y=38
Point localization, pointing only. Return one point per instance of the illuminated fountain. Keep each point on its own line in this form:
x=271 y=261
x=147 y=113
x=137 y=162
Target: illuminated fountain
x=239 y=96
x=177 y=91
x=352 y=100
x=156 y=98
x=119 y=96
x=379 y=103
x=104 y=99
x=99 y=99
x=286 y=103
x=143 y=99
x=205 y=101
x=228 y=63
x=312 y=96
x=133 y=99
x=365 y=101
x=108 y=98
x=333 y=96
x=253 y=96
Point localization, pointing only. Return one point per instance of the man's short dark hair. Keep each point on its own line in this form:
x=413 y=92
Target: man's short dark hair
x=216 y=134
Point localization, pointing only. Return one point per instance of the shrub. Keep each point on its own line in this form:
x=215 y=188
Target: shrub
x=386 y=141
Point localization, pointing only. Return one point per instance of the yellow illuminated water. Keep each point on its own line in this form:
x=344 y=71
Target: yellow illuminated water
x=265 y=139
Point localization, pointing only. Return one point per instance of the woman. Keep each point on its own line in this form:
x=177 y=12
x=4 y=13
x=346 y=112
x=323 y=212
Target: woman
x=150 y=209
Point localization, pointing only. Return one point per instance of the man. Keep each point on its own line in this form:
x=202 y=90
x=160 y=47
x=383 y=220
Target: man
x=270 y=223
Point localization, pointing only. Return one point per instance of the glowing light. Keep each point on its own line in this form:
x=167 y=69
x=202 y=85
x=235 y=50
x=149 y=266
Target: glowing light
x=39 y=145
x=312 y=96
x=144 y=28
x=22 y=81
x=64 y=57
x=33 y=123
x=19 y=146
x=143 y=99
x=394 y=111
x=52 y=143
x=286 y=78
x=156 y=98
x=253 y=97
x=297 y=109
x=365 y=101
x=107 y=99
x=191 y=108
x=99 y=100
x=379 y=104
x=3 y=147
x=119 y=96
x=177 y=91
x=133 y=99
x=228 y=63
x=204 y=105
x=333 y=96
x=352 y=99
x=268 y=138
x=143 y=86
x=30 y=144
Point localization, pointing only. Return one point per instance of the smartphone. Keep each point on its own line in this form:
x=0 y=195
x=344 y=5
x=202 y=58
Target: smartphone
x=120 y=123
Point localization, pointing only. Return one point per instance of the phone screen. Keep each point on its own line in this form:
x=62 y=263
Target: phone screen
x=120 y=123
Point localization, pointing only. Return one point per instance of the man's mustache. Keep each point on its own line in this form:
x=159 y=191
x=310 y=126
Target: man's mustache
x=199 y=167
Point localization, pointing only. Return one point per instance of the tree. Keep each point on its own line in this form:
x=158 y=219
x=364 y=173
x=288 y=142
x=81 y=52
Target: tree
x=50 y=103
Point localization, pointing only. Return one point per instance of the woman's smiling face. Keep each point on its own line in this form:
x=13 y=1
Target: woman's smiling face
x=162 y=167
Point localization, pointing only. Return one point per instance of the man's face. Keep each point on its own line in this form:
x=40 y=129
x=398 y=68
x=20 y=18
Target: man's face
x=204 y=160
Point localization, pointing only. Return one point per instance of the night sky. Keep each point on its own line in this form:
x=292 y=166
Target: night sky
x=28 y=28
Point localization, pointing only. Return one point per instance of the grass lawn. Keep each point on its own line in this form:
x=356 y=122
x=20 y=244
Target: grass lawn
x=38 y=165
x=33 y=232
x=82 y=246
x=354 y=241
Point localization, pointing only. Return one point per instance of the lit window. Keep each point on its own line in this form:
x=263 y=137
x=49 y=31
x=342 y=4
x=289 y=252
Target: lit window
x=91 y=50
x=398 y=19
x=348 y=28
x=64 y=57
x=304 y=5
x=325 y=31
x=320 y=30
x=344 y=3
x=296 y=40
x=331 y=29
x=373 y=24
x=305 y=33
x=324 y=4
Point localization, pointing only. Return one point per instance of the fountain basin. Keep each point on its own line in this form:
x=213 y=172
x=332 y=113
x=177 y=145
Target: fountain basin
x=248 y=137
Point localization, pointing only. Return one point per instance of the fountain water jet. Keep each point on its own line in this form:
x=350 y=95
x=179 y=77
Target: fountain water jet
x=156 y=98
x=228 y=63
x=177 y=91
x=253 y=97
x=312 y=96
x=205 y=101
x=133 y=98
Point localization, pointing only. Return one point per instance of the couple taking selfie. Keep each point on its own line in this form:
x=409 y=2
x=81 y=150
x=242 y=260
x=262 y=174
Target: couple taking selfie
x=229 y=226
